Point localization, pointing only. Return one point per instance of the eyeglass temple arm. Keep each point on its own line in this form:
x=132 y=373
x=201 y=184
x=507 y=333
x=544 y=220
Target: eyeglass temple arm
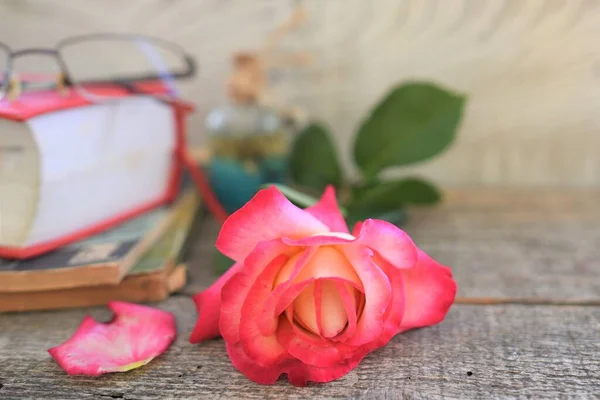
x=189 y=71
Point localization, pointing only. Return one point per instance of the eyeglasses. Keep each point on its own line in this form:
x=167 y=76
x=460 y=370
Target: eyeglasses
x=95 y=64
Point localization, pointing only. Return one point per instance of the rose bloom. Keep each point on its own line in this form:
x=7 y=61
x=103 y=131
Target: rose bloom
x=308 y=299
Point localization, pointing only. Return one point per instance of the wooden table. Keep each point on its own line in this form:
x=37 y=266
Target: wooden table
x=526 y=322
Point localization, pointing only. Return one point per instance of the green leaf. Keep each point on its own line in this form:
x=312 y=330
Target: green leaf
x=313 y=159
x=390 y=195
x=221 y=263
x=412 y=123
x=386 y=200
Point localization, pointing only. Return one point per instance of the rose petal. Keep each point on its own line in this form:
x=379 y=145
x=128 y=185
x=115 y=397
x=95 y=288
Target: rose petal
x=333 y=315
x=321 y=239
x=378 y=294
x=305 y=308
x=395 y=312
x=346 y=293
x=328 y=211
x=267 y=216
x=135 y=336
x=289 y=272
x=208 y=305
x=249 y=367
x=279 y=300
x=299 y=374
x=312 y=352
x=330 y=262
x=320 y=309
x=264 y=349
x=389 y=241
x=235 y=290
x=357 y=228
x=302 y=333
x=284 y=292
x=429 y=292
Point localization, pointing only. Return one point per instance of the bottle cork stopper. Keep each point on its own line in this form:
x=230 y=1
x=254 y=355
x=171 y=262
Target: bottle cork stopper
x=247 y=80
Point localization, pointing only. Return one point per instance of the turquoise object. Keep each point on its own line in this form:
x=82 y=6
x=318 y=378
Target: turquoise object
x=250 y=147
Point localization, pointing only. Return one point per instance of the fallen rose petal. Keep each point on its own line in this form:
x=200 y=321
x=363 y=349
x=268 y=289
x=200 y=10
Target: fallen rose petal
x=135 y=336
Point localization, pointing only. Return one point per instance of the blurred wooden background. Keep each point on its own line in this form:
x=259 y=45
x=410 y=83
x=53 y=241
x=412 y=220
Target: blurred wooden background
x=531 y=68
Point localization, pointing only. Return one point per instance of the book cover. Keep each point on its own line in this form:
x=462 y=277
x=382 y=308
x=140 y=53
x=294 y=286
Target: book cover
x=142 y=288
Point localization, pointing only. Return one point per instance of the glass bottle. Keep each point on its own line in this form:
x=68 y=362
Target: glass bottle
x=249 y=142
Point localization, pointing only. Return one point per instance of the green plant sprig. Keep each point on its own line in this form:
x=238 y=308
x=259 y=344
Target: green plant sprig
x=413 y=123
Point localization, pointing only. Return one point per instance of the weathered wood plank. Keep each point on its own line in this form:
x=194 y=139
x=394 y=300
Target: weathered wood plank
x=503 y=245
x=477 y=352
x=516 y=244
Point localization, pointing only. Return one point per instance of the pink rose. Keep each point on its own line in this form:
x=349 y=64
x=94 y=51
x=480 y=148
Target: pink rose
x=308 y=299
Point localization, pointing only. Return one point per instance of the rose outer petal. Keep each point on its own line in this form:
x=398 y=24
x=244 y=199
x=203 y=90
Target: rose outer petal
x=208 y=305
x=264 y=349
x=267 y=216
x=429 y=292
x=328 y=211
x=135 y=336
x=299 y=374
x=249 y=367
x=387 y=240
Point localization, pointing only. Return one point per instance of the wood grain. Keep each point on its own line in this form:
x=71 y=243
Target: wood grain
x=536 y=245
x=504 y=246
x=477 y=352
x=530 y=68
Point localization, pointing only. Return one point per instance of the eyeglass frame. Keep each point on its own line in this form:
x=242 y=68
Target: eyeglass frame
x=55 y=52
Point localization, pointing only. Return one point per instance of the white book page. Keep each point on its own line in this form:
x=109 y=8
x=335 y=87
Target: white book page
x=19 y=182
x=100 y=161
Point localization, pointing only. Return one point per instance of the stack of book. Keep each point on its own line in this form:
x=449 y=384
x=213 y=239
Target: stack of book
x=142 y=260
